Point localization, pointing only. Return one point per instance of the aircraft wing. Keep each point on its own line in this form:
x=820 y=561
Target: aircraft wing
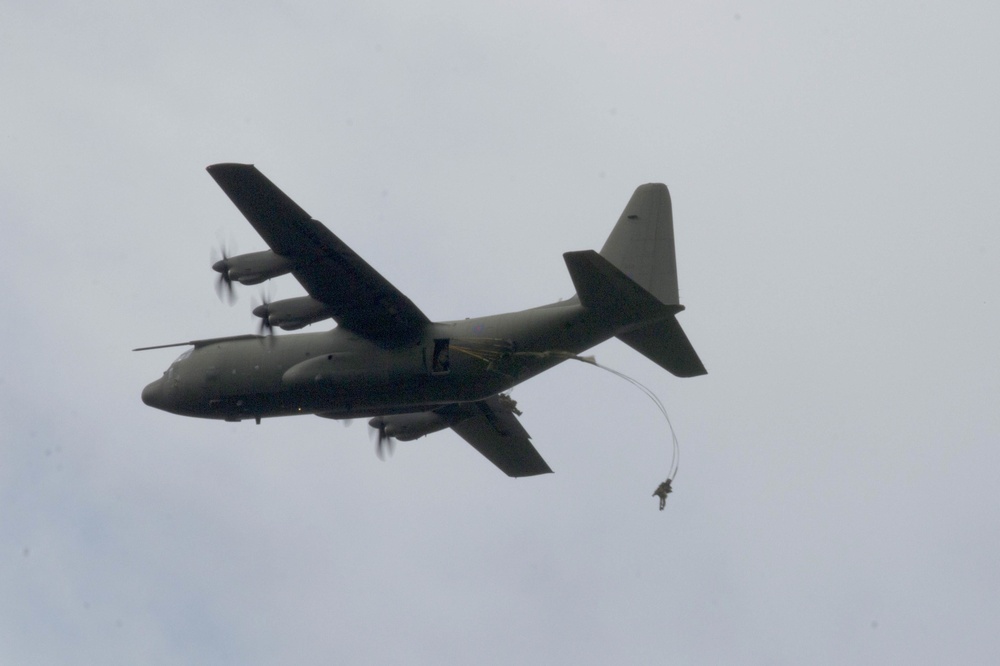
x=361 y=300
x=495 y=432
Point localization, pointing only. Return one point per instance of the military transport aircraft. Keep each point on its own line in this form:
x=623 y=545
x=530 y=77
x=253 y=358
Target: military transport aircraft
x=386 y=360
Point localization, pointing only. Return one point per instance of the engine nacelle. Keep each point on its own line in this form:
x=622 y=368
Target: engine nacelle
x=293 y=313
x=406 y=427
x=254 y=267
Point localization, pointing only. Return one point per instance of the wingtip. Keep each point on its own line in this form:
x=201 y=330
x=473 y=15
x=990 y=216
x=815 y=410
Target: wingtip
x=227 y=166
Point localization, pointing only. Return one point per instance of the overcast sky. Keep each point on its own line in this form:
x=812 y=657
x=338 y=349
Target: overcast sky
x=835 y=174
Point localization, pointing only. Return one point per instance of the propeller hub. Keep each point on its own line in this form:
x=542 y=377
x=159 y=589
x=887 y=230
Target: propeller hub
x=224 y=284
x=263 y=311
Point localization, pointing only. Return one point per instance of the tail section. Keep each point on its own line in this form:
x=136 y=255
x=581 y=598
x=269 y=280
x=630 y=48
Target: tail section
x=633 y=281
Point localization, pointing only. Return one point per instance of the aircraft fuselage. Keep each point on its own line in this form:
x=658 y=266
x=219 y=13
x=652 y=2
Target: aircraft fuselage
x=339 y=374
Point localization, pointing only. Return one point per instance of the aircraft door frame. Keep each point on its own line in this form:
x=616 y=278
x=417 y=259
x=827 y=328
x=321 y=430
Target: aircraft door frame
x=440 y=359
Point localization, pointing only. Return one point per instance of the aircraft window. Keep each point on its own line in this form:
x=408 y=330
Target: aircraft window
x=185 y=355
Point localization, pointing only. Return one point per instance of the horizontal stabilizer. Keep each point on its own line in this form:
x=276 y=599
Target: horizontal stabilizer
x=663 y=342
x=601 y=286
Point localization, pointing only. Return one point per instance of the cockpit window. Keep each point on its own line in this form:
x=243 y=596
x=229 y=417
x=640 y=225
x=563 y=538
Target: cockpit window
x=172 y=372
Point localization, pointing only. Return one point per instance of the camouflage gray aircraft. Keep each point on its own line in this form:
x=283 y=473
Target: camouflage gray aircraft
x=386 y=360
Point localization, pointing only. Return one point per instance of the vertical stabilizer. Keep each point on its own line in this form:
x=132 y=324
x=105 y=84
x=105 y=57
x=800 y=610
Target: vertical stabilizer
x=642 y=243
x=634 y=282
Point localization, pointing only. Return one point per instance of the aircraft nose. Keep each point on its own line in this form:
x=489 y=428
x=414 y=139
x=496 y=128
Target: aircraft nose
x=152 y=395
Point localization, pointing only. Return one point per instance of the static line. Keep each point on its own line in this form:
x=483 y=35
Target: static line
x=675 y=445
x=491 y=351
x=664 y=488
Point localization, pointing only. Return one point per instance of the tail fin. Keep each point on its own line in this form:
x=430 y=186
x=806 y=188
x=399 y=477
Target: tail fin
x=634 y=282
x=642 y=243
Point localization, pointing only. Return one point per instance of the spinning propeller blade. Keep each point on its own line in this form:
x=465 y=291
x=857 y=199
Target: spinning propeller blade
x=264 y=312
x=383 y=442
x=223 y=284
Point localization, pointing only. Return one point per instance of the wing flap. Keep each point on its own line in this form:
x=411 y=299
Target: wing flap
x=497 y=434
